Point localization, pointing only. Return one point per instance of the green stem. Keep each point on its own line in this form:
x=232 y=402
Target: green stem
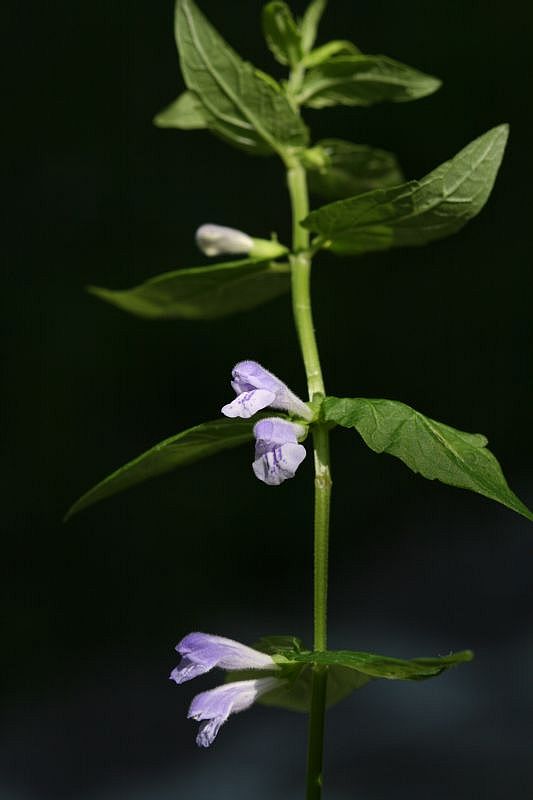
x=301 y=299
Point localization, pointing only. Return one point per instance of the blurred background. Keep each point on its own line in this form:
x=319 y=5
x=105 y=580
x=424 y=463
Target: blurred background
x=93 y=609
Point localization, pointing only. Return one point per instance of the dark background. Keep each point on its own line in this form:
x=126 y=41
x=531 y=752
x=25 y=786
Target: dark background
x=93 y=608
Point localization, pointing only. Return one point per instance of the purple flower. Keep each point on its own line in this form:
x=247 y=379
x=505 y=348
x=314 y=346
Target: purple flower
x=212 y=708
x=257 y=388
x=201 y=652
x=277 y=452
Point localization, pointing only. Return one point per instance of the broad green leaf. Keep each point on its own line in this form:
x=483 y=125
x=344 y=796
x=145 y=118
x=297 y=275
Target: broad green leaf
x=417 y=212
x=202 y=292
x=185 y=113
x=347 y=670
x=239 y=105
x=326 y=51
x=376 y=666
x=295 y=695
x=281 y=33
x=310 y=22
x=183 y=448
x=352 y=169
x=435 y=450
x=362 y=80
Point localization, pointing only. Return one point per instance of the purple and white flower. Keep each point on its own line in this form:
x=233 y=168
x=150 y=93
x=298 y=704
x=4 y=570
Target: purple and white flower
x=257 y=388
x=277 y=452
x=212 y=708
x=202 y=652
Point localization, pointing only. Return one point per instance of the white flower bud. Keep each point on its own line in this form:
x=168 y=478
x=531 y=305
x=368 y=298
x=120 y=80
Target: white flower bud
x=217 y=240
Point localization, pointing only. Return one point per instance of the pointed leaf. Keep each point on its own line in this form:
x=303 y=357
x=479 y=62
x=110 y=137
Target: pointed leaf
x=435 y=450
x=185 y=113
x=310 y=22
x=419 y=211
x=362 y=80
x=352 y=169
x=281 y=33
x=347 y=671
x=376 y=666
x=183 y=448
x=202 y=292
x=239 y=105
x=326 y=51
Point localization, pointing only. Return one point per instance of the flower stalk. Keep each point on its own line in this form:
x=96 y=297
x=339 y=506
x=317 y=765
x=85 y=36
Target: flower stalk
x=301 y=301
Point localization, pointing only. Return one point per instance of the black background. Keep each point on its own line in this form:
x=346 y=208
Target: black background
x=92 y=609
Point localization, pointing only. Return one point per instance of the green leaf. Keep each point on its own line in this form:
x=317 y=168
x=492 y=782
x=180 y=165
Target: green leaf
x=352 y=169
x=362 y=80
x=435 y=450
x=327 y=51
x=347 y=670
x=419 y=211
x=310 y=22
x=281 y=33
x=183 y=448
x=295 y=695
x=239 y=105
x=202 y=292
x=185 y=113
x=376 y=666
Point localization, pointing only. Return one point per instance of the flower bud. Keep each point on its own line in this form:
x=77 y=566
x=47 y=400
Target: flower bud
x=218 y=240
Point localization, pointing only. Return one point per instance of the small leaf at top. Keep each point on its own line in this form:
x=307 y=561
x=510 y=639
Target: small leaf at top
x=183 y=448
x=361 y=80
x=435 y=450
x=202 y=292
x=239 y=105
x=281 y=33
x=352 y=169
x=417 y=212
x=185 y=113
x=310 y=22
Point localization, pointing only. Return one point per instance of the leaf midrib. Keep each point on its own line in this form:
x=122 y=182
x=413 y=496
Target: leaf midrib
x=222 y=84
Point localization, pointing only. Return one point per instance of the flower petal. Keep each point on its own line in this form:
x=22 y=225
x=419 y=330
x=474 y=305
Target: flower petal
x=278 y=465
x=249 y=375
x=248 y=403
x=202 y=651
x=212 y=708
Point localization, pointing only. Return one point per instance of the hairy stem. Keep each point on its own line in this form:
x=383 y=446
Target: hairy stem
x=301 y=300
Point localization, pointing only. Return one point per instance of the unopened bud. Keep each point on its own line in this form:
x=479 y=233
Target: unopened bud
x=217 y=240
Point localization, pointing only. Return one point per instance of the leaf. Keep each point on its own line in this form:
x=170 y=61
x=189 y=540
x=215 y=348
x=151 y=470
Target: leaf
x=202 y=292
x=419 y=211
x=239 y=105
x=326 y=51
x=352 y=169
x=183 y=448
x=185 y=113
x=376 y=666
x=310 y=22
x=361 y=80
x=347 y=671
x=295 y=695
x=435 y=450
x=281 y=33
